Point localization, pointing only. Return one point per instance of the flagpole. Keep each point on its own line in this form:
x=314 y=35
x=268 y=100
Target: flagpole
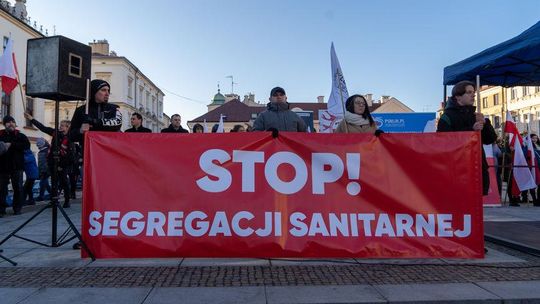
x=22 y=95
x=87 y=96
x=342 y=103
x=503 y=139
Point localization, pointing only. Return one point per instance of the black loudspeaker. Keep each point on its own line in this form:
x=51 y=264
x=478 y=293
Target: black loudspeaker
x=57 y=68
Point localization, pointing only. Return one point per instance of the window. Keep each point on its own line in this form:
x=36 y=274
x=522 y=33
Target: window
x=4 y=44
x=130 y=87
x=497 y=122
x=496 y=99
x=525 y=91
x=536 y=89
x=6 y=105
x=484 y=102
x=29 y=109
x=139 y=97
x=154 y=108
x=513 y=93
x=104 y=76
x=147 y=101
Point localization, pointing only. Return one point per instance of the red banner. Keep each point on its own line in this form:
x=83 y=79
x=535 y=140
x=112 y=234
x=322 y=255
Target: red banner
x=297 y=195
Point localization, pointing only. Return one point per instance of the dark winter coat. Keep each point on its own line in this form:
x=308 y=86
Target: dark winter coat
x=457 y=118
x=13 y=159
x=278 y=116
x=170 y=129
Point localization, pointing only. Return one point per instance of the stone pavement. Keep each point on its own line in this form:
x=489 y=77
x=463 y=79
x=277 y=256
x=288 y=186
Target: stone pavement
x=59 y=275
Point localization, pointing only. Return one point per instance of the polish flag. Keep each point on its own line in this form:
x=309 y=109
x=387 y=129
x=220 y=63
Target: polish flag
x=532 y=161
x=522 y=178
x=8 y=71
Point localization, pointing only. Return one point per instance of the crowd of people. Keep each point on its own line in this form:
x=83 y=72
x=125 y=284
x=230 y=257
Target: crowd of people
x=100 y=115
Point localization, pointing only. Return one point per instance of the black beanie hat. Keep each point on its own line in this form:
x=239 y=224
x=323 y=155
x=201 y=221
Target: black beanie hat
x=95 y=86
x=7 y=119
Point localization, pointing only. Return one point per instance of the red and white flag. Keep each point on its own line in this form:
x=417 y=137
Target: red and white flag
x=532 y=160
x=522 y=178
x=8 y=71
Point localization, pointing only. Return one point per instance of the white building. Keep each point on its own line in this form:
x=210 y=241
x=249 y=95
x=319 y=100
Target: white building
x=15 y=23
x=130 y=89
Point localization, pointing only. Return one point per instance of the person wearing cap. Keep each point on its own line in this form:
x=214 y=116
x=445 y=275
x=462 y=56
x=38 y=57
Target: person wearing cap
x=13 y=144
x=278 y=115
x=175 y=126
x=102 y=115
x=460 y=115
x=136 y=125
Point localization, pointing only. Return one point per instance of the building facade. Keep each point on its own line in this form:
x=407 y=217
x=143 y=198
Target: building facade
x=15 y=24
x=522 y=102
x=131 y=90
x=246 y=111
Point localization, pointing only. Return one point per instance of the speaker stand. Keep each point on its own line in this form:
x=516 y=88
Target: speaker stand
x=54 y=205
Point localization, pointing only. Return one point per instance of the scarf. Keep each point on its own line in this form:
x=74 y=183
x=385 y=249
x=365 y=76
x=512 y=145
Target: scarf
x=355 y=119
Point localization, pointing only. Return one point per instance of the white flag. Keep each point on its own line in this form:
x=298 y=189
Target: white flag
x=339 y=93
x=220 y=128
x=205 y=127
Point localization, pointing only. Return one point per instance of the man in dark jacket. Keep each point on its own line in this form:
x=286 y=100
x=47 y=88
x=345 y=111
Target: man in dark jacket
x=13 y=144
x=278 y=116
x=460 y=115
x=175 y=126
x=102 y=115
x=65 y=154
x=136 y=124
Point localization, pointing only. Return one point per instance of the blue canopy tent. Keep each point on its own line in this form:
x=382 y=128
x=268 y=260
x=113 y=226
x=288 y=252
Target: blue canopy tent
x=515 y=62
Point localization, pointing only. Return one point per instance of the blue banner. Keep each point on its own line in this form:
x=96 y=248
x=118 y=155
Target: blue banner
x=405 y=122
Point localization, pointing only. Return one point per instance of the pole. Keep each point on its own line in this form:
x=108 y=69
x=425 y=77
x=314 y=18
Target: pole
x=23 y=100
x=504 y=143
x=87 y=96
x=445 y=96
x=54 y=177
x=478 y=104
x=342 y=102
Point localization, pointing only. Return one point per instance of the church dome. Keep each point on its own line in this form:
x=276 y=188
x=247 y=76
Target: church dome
x=218 y=99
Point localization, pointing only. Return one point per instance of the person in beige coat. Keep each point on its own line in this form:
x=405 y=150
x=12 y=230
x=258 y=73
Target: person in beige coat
x=357 y=118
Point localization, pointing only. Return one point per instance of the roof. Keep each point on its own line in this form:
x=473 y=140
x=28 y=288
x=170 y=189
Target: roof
x=514 y=62
x=235 y=110
x=218 y=98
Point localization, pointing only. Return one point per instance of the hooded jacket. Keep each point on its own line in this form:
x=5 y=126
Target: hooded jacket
x=101 y=116
x=278 y=116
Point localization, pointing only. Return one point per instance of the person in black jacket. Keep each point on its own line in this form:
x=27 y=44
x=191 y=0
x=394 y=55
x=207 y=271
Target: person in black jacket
x=175 y=126
x=460 y=115
x=13 y=143
x=65 y=160
x=136 y=123
x=102 y=115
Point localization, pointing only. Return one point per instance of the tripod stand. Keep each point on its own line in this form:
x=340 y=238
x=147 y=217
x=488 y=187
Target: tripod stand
x=54 y=205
